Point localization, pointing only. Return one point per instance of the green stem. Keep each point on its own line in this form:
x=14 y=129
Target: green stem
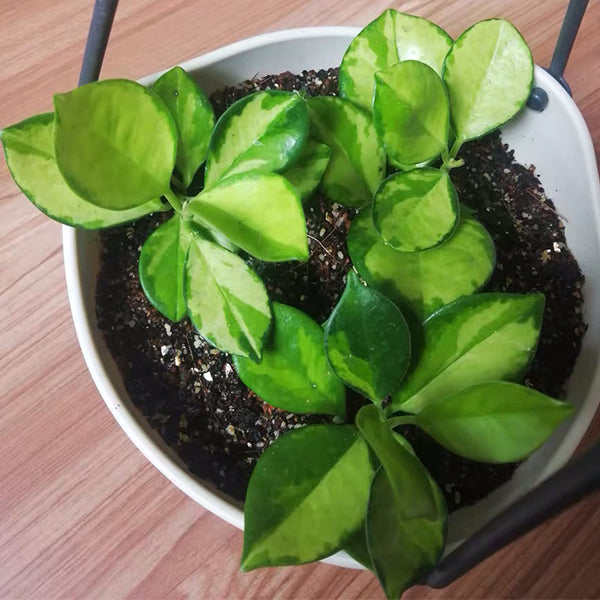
x=178 y=185
x=404 y=420
x=174 y=200
x=455 y=148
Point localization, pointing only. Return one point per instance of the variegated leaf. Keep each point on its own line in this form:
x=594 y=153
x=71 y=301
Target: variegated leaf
x=411 y=112
x=29 y=152
x=489 y=74
x=357 y=163
x=416 y=210
x=478 y=338
x=392 y=37
x=258 y=212
x=115 y=143
x=193 y=115
x=363 y=358
x=424 y=281
x=265 y=130
x=226 y=300
x=162 y=267
x=493 y=422
x=306 y=174
x=294 y=373
x=308 y=491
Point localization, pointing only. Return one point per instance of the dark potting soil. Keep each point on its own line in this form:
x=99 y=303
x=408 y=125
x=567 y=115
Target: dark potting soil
x=190 y=393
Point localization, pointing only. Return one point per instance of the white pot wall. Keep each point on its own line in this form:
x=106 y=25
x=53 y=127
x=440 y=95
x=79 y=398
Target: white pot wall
x=556 y=141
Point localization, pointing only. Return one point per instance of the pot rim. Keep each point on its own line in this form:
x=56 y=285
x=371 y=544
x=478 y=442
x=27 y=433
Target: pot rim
x=83 y=313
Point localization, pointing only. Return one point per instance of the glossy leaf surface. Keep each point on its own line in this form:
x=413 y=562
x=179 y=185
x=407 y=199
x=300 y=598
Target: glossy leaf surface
x=367 y=341
x=29 y=151
x=294 y=373
x=489 y=74
x=226 y=300
x=392 y=37
x=162 y=267
x=423 y=281
x=259 y=212
x=115 y=143
x=194 y=118
x=495 y=422
x=357 y=162
x=416 y=210
x=306 y=174
x=265 y=131
x=406 y=474
x=411 y=112
x=308 y=491
x=403 y=545
x=476 y=339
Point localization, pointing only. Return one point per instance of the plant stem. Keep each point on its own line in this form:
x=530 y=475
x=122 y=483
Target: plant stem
x=174 y=200
x=455 y=148
x=404 y=420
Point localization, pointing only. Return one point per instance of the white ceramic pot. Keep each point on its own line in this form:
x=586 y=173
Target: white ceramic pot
x=556 y=141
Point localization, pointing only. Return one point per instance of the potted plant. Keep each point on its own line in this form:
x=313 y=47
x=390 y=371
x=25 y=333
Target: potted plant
x=209 y=229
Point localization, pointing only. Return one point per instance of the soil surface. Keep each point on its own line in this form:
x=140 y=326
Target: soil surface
x=190 y=393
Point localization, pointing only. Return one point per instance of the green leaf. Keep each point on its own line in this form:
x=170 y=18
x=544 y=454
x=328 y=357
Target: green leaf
x=29 y=152
x=489 y=74
x=226 y=300
x=308 y=491
x=162 y=267
x=392 y=37
x=493 y=422
x=356 y=545
x=294 y=373
x=265 y=130
x=407 y=475
x=259 y=212
x=306 y=174
x=478 y=338
x=193 y=115
x=411 y=112
x=115 y=143
x=357 y=163
x=423 y=281
x=367 y=341
x=403 y=545
x=416 y=210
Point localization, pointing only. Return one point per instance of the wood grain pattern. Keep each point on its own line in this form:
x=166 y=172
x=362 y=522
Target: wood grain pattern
x=83 y=514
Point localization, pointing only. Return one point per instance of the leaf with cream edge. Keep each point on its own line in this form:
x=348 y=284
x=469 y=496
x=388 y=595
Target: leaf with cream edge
x=306 y=174
x=194 y=118
x=411 y=112
x=29 y=152
x=476 y=339
x=308 y=491
x=389 y=39
x=493 y=422
x=423 y=282
x=488 y=74
x=357 y=163
x=294 y=373
x=367 y=361
x=416 y=210
x=259 y=212
x=226 y=300
x=162 y=267
x=102 y=135
x=266 y=130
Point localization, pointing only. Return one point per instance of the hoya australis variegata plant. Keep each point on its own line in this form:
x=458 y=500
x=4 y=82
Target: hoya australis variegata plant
x=409 y=98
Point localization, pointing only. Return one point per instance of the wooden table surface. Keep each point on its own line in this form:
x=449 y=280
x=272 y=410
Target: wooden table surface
x=82 y=513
